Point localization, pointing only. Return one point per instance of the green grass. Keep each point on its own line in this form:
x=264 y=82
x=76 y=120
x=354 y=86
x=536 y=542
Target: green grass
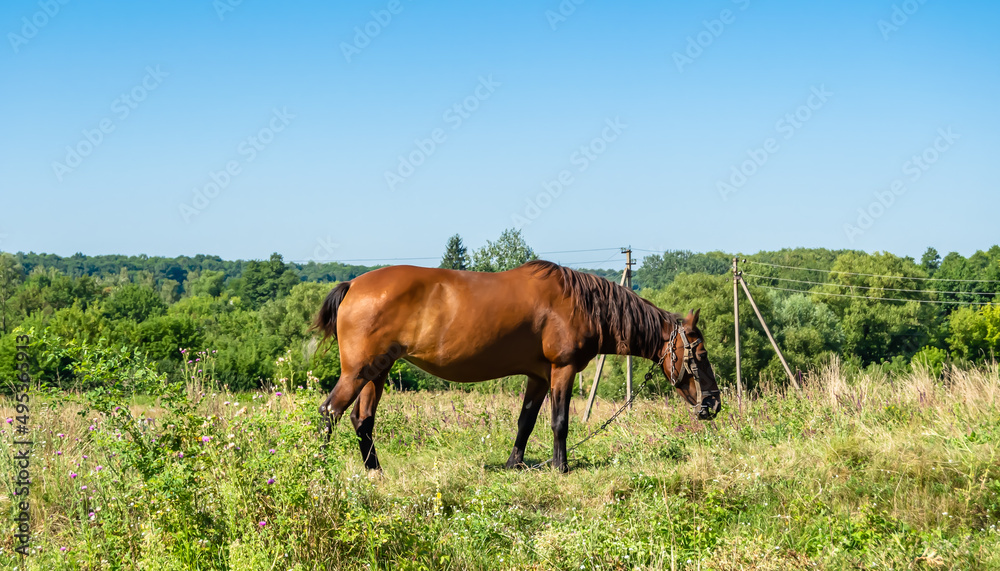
x=850 y=473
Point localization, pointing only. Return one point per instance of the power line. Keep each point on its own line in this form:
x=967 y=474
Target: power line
x=873 y=298
x=868 y=287
x=872 y=275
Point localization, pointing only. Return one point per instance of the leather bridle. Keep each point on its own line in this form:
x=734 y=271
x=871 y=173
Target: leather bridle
x=688 y=364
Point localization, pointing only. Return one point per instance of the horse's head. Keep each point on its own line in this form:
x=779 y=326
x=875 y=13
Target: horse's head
x=686 y=364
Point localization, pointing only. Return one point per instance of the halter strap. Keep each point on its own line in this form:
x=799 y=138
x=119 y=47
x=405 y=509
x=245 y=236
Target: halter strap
x=688 y=363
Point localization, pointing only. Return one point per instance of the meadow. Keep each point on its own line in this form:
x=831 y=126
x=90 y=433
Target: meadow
x=865 y=471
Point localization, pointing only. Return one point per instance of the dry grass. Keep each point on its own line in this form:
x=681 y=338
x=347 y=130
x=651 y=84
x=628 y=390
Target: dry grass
x=850 y=473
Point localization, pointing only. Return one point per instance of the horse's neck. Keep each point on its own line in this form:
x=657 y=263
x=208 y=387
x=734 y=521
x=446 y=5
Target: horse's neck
x=637 y=346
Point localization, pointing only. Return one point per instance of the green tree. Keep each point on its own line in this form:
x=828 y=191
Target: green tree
x=76 y=323
x=975 y=334
x=930 y=261
x=135 y=302
x=164 y=336
x=208 y=283
x=795 y=262
x=291 y=316
x=263 y=281
x=170 y=291
x=657 y=271
x=807 y=331
x=456 y=255
x=47 y=290
x=875 y=328
x=11 y=276
x=508 y=252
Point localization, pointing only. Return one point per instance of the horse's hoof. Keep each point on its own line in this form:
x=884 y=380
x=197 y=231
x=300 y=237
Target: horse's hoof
x=512 y=465
x=376 y=474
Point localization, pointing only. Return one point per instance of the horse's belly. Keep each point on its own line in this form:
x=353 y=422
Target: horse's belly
x=475 y=373
x=467 y=365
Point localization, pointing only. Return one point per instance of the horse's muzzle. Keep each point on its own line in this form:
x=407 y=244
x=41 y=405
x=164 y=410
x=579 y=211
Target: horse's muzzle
x=710 y=406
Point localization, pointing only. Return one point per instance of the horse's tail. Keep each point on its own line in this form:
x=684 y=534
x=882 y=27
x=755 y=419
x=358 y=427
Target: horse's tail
x=326 y=319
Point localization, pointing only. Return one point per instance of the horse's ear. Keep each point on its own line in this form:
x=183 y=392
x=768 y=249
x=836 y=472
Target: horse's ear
x=692 y=318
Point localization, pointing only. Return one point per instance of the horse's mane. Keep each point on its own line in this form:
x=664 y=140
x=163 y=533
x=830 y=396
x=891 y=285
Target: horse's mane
x=630 y=319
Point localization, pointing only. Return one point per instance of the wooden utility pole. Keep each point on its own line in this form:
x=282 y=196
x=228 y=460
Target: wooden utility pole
x=628 y=358
x=736 y=325
x=770 y=337
x=626 y=278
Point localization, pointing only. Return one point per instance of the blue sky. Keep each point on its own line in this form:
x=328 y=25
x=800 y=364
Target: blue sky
x=732 y=125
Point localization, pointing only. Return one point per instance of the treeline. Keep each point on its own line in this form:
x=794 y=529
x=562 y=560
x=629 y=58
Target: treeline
x=248 y=321
x=174 y=274
x=875 y=312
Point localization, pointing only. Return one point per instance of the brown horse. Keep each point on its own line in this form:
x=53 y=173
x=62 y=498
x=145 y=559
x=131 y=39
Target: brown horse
x=540 y=320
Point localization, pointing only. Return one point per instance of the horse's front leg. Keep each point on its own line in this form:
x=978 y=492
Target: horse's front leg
x=562 y=393
x=534 y=396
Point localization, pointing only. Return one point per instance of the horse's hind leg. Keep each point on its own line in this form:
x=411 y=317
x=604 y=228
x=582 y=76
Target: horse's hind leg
x=534 y=395
x=363 y=419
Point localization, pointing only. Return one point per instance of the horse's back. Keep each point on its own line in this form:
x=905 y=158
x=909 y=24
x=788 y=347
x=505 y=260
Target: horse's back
x=458 y=325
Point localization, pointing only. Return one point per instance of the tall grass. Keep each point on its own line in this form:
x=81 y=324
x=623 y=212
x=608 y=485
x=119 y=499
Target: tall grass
x=866 y=472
